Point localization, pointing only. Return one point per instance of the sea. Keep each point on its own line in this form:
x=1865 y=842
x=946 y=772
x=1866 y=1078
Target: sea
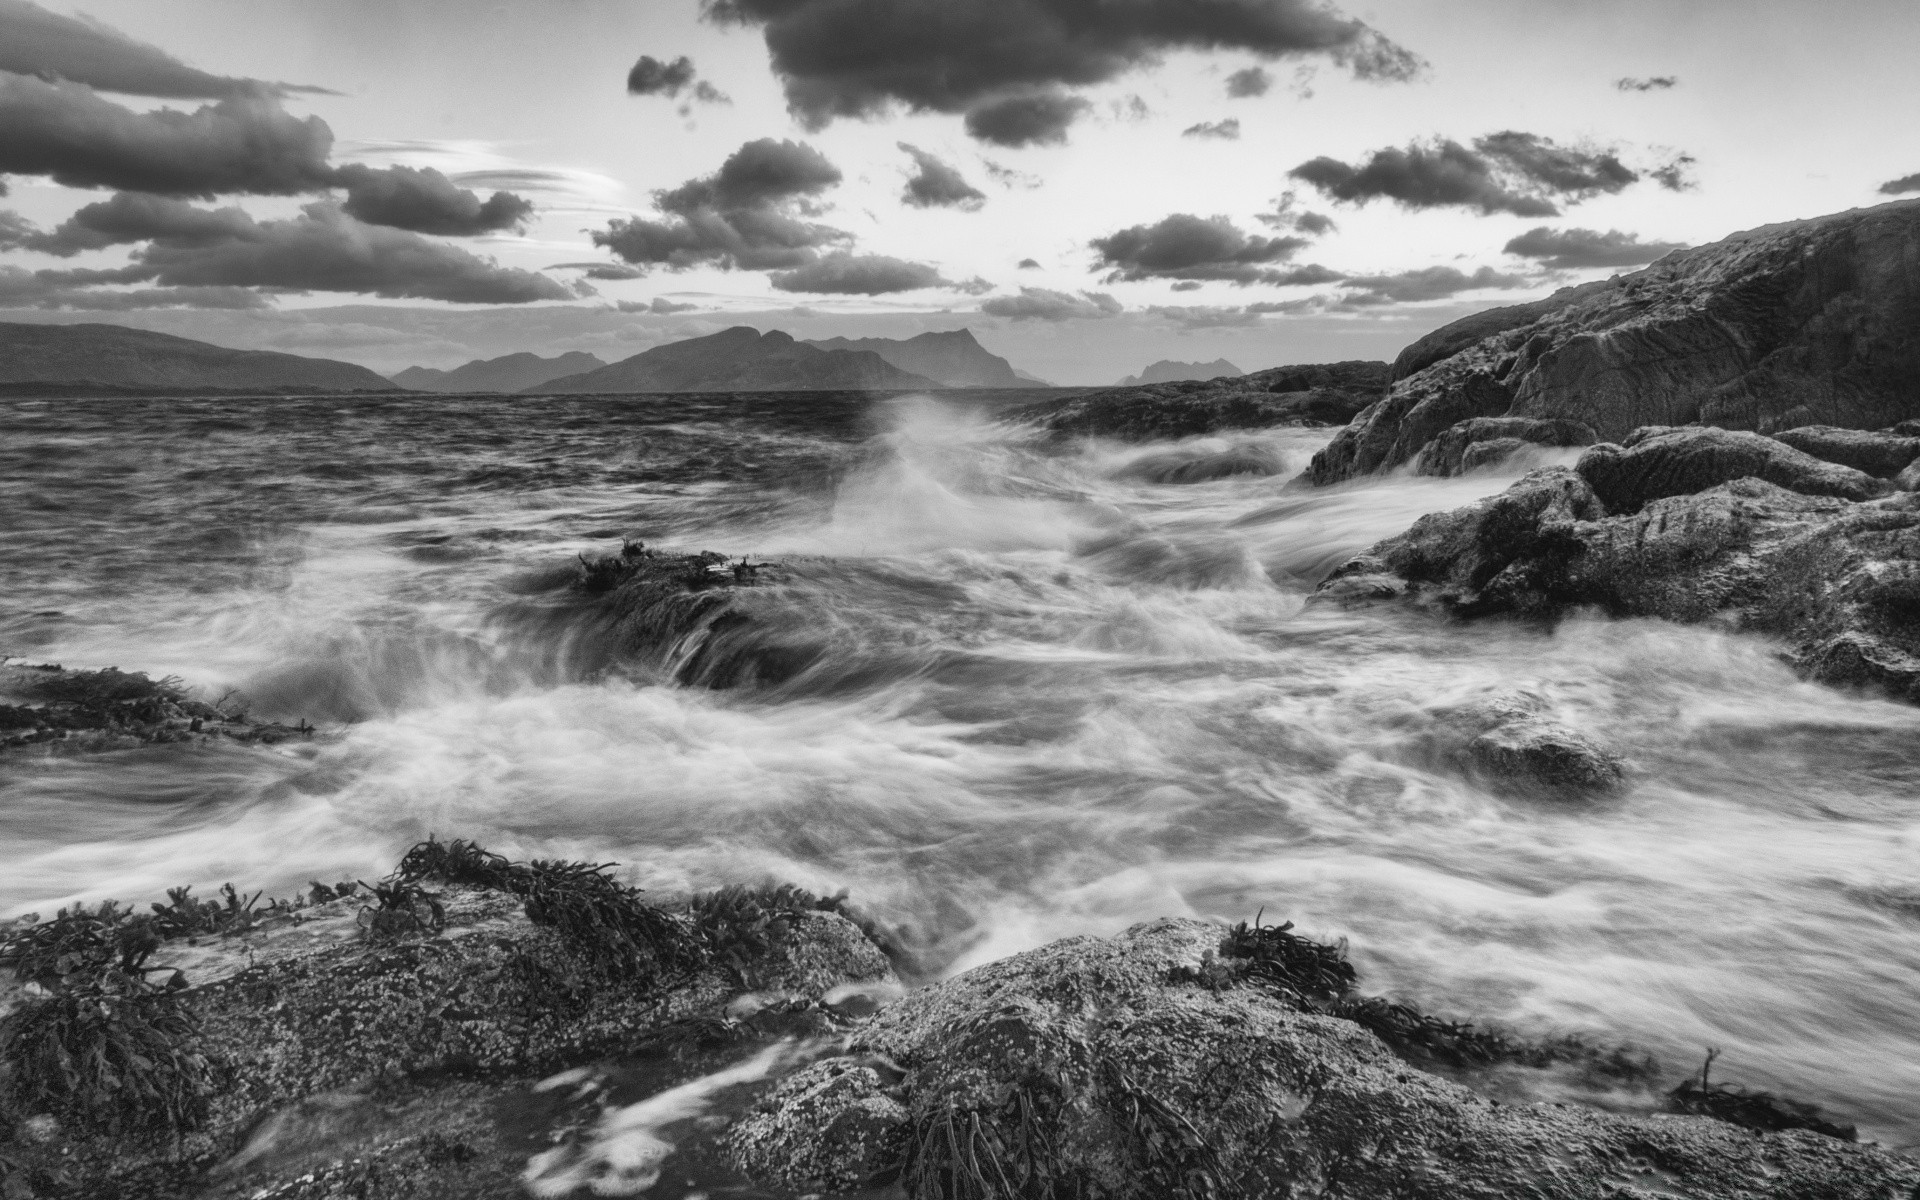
x=1068 y=692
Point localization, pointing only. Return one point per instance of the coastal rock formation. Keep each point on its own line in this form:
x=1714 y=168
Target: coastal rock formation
x=118 y=357
x=1655 y=462
x=45 y=708
x=1308 y=394
x=741 y=359
x=1486 y=441
x=1511 y=742
x=1884 y=453
x=1181 y=1059
x=954 y=358
x=1804 y=323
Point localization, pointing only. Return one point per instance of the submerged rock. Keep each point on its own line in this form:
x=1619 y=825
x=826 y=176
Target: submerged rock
x=1802 y=323
x=1149 y=1065
x=1484 y=441
x=1201 y=465
x=1512 y=742
x=56 y=710
x=1309 y=394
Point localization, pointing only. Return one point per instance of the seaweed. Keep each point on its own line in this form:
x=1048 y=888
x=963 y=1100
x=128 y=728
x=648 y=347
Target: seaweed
x=403 y=910
x=1003 y=1153
x=1748 y=1108
x=1168 y=1150
x=741 y=925
x=1284 y=961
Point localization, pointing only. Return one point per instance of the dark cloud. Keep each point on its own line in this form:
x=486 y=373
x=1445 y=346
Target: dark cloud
x=747 y=215
x=1028 y=264
x=1675 y=175
x=425 y=201
x=1573 y=249
x=1228 y=129
x=1036 y=119
x=651 y=77
x=1653 y=83
x=1188 y=285
x=36 y=42
x=1427 y=283
x=16 y=231
x=659 y=306
x=1287 y=214
x=322 y=250
x=1183 y=246
x=1044 y=304
x=244 y=144
x=1248 y=82
x=20 y=288
x=936 y=184
x=1899 y=187
x=860 y=275
x=859 y=58
x=601 y=270
x=1512 y=172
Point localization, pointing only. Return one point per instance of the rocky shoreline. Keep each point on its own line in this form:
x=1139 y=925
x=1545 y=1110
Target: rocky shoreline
x=473 y=1027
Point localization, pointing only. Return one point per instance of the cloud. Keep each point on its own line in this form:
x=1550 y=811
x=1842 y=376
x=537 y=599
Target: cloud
x=1037 y=119
x=936 y=184
x=601 y=270
x=1898 y=187
x=241 y=144
x=1653 y=83
x=1044 y=304
x=1573 y=249
x=1248 y=82
x=659 y=306
x=1228 y=129
x=1512 y=172
x=39 y=43
x=1008 y=177
x=651 y=77
x=860 y=275
x=1287 y=214
x=324 y=249
x=1029 y=264
x=1427 y=283
x=843 y=58
x=21 y=288
x=744 y=216
x=425 y=201
x=1674 y=175
x=1204 y=316
x=1183 y=246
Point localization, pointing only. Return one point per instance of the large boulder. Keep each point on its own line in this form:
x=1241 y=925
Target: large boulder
x=1807 y=322
x=1484 y=441
x=1655 y=462
x=1882 y=452
x=1305 y=394
x=1148 y=1066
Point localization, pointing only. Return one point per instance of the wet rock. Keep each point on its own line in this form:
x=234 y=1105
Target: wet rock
x=1655 y=462
x=1484 y=441
x=1200 y=465
x=1838 y=581
x=46 y=708
x=1883 y=454
x=833 y=1127
x=1512 y=742
x=1802 y=323
x=1308 y=394
x=1134 y=1066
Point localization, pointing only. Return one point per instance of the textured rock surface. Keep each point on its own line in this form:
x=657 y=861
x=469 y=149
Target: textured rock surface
x=1512 y=742
x=1655 y=462
x=1483 y=441
x=1085 y=1069
x=830 y=1127
x=1882 y=453
x=1838 y=581
x=1808 y=322
x=1311 y=394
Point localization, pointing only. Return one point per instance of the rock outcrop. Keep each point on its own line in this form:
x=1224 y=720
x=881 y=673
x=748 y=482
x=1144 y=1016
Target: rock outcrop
x=1804 y=323
x=1656 y=462
x=1178 y=1060
x=1309 y=394
x=1883 y=453
x=48 y=709
x=1486 y=441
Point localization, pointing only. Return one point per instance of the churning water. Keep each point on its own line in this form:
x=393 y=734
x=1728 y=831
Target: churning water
x=1077 y=688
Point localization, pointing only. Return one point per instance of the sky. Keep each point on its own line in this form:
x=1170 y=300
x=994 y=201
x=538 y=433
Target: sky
x=1089 y=185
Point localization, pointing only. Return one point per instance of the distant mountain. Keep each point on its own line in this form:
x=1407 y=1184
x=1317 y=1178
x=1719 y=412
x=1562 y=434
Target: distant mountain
x=119 y=357
x=1168 y=371
x=741 y=359
x=1033 y=379
x=509 y=373
x=954 y=359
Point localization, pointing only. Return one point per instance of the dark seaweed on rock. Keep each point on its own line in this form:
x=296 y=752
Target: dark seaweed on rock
x=741 y=925
x=1736 y=1105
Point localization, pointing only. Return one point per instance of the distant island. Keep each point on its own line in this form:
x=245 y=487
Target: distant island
x=508 y=373
x=115 y=358
x=1169 y=371
x=952 y=359
x=741 y=359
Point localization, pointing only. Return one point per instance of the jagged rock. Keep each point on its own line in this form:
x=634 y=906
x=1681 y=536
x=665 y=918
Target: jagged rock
x=1881 y=453
x=1807 y=322
x=1088 y=1067
x=1654 y=462
x=1483 y=441
x=831 y=1127
x=1309 y=394
x=1839 y=581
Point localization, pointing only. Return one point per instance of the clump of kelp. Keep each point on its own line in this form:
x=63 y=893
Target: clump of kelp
x=1316 y=977
x=111 y=706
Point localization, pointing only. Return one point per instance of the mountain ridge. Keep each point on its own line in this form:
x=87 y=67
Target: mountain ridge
x=121 y=357
x=952 y=357
x=740 y=359
x=1168 y=370
x=507 y=373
